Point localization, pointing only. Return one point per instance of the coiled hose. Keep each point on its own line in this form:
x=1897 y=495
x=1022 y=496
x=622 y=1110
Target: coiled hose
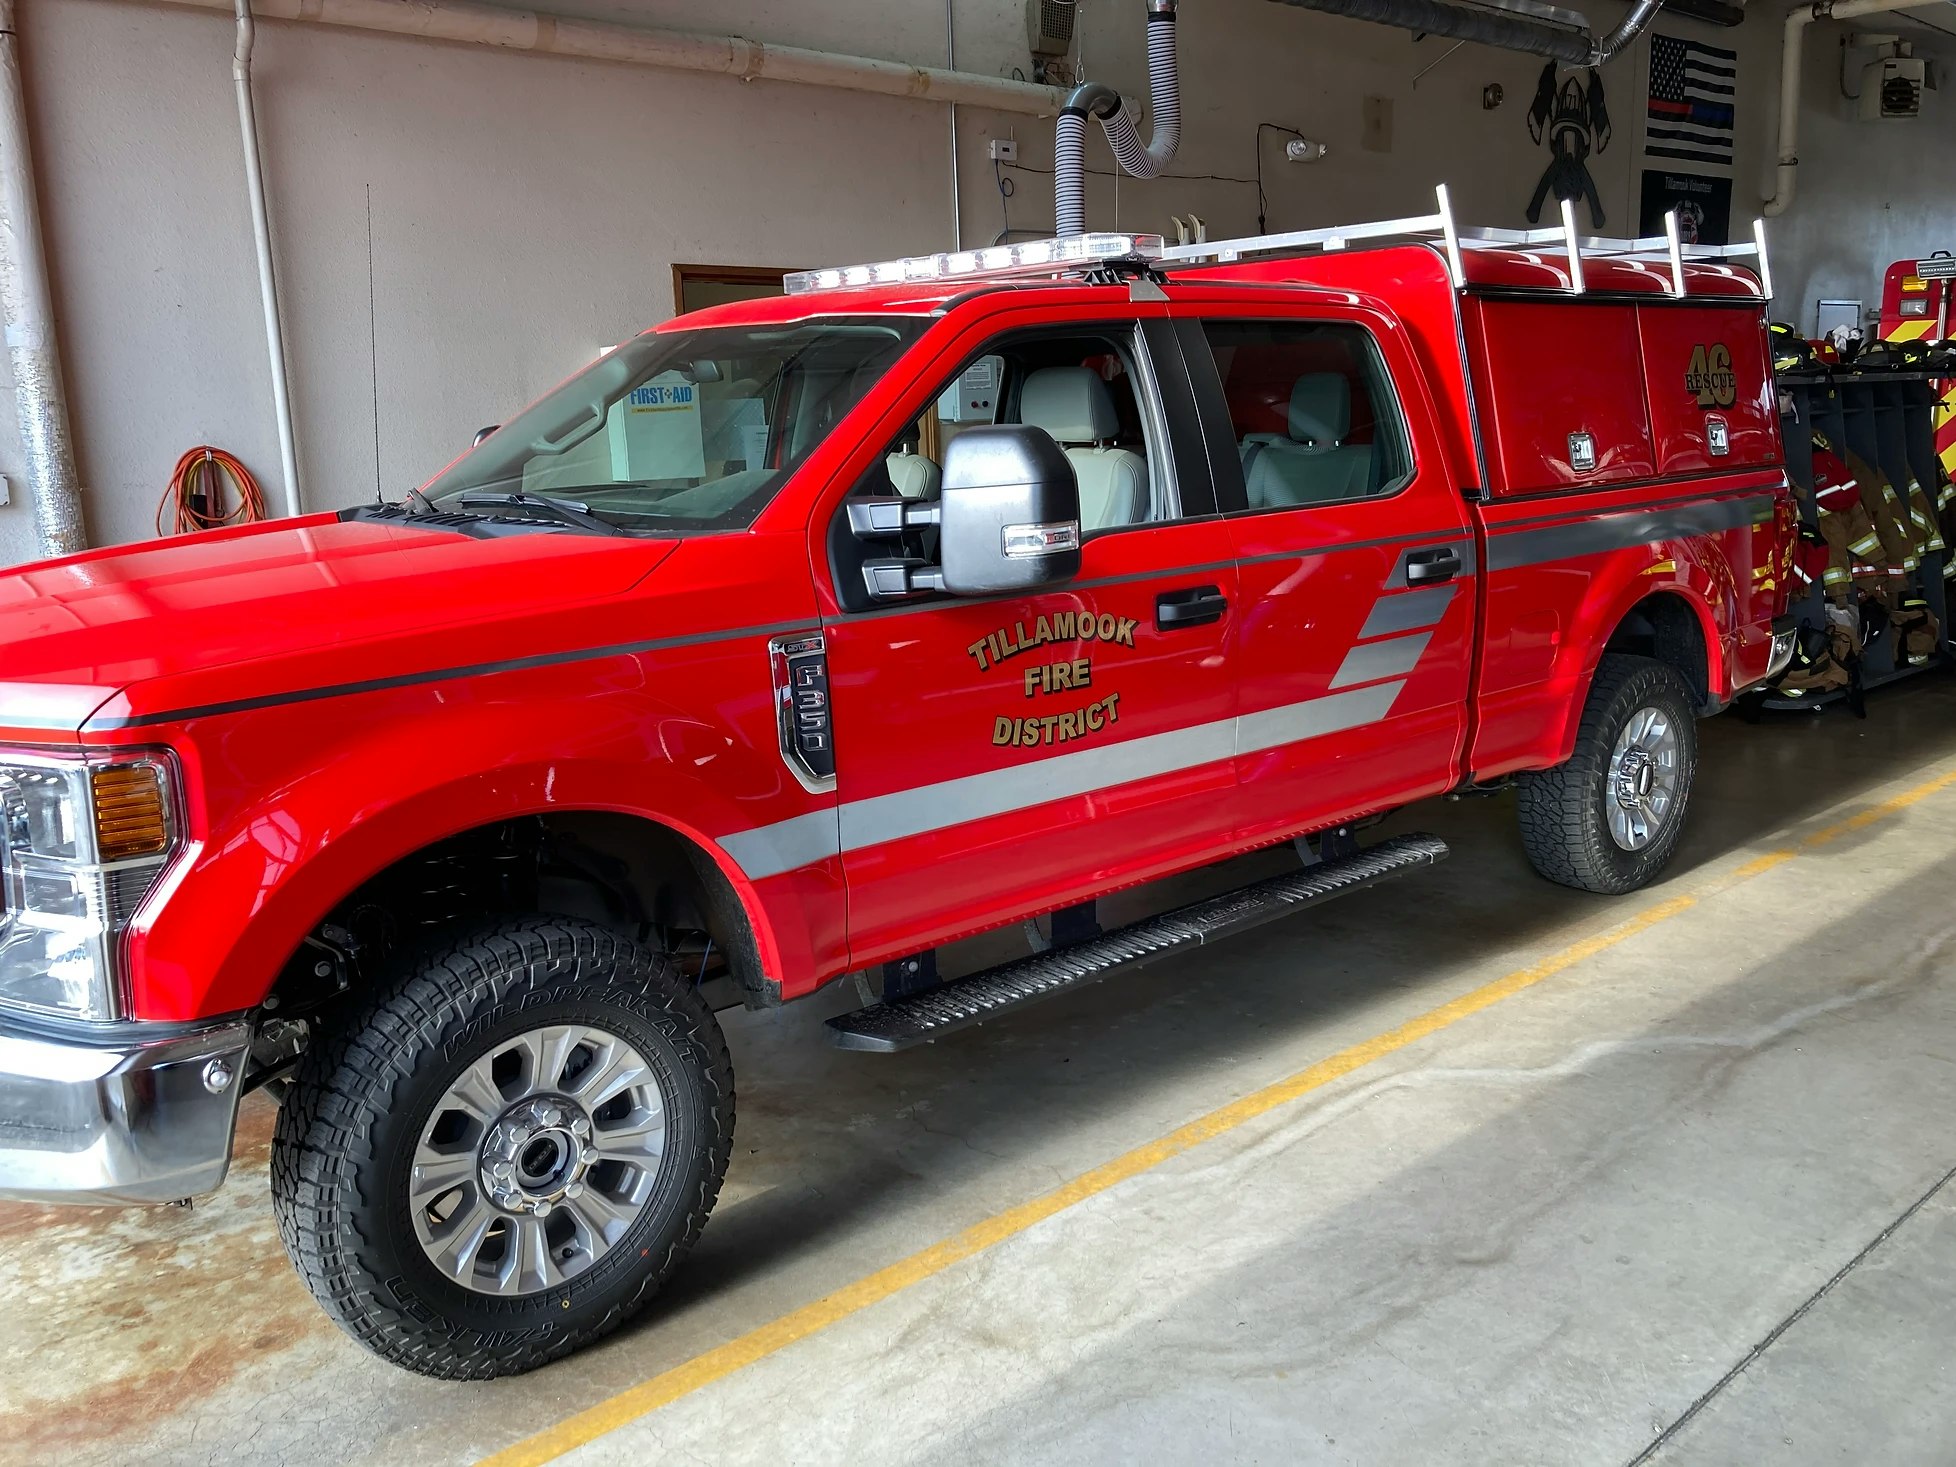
x=1070 y=135
x=195 y=498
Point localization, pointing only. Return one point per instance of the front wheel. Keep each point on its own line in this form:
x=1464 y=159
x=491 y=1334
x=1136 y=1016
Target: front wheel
x=504 y=1156
x=1610 y=818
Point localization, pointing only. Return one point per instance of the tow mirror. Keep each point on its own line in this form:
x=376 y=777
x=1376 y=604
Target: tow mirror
x=1008 y=519
x=1010 y=513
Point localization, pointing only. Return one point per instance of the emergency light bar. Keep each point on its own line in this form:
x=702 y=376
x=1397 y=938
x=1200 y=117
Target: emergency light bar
x=1075 y=253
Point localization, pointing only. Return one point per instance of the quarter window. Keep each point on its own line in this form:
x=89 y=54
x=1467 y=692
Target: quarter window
x=1312 y=410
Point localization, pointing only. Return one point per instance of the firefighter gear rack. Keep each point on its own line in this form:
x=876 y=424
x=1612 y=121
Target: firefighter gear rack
x=1879 y=421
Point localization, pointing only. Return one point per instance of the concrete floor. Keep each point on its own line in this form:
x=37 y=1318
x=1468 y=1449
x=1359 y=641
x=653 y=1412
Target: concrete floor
x=1680 y=1195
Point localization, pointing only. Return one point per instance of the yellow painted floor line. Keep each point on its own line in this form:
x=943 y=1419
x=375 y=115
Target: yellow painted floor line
x=757 y=1344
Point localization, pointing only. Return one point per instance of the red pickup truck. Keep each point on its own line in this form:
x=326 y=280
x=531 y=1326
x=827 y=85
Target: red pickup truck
x=804 y=638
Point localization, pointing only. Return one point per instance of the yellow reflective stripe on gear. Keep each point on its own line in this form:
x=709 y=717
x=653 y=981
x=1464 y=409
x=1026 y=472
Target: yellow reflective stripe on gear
x=1909 y=563
x=1839 y=577
x=1948 y=493
x=1865 y=544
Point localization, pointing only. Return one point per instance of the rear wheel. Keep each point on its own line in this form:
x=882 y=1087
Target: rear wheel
x=1609 y=819
x=507 y=1153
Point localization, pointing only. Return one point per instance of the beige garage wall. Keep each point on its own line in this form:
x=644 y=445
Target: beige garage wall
x=526 y=211
x=1869 y=192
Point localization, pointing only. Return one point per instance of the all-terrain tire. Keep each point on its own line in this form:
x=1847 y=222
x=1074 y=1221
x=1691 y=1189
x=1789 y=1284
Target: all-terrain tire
x=1565 y=812
x=349 y=1127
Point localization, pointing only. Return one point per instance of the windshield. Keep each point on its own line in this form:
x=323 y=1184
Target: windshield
x=681 y=431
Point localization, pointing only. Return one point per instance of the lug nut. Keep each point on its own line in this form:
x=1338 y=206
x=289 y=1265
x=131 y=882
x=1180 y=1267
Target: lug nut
x=574 y=1191
x=580 y=1126
x=539 y=1207
x=552 y=1116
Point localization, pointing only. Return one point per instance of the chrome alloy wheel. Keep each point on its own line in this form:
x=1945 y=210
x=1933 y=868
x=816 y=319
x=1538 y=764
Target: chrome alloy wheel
x=537 y=1160
x=1643 y=779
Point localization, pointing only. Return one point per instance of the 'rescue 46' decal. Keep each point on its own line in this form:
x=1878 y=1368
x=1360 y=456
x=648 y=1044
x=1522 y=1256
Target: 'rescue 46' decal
x=1709 y=377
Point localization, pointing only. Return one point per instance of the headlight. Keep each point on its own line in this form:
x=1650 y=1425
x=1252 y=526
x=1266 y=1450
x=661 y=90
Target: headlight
x=82 y=841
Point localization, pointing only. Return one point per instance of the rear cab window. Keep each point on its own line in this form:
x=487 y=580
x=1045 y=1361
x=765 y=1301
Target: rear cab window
x=1312 y=414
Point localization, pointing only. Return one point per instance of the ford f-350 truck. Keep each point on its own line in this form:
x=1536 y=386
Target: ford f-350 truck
x=805 y=638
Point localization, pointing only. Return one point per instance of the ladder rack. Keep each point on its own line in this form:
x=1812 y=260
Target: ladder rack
x=1439 y=228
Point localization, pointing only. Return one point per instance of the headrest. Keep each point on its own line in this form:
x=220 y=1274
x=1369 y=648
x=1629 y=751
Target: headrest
x=1071 y=403
x=1321 y=408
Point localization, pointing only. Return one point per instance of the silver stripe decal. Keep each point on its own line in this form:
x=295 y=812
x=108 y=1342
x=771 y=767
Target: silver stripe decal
x=1512 y=550
x=1406 y=611
x=1294 y=722
x=1368 y=662
x=786 y=845
x=910 y=812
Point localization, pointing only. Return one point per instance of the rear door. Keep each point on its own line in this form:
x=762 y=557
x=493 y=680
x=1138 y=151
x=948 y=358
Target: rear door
x=1354 y=554
x=1000 y=757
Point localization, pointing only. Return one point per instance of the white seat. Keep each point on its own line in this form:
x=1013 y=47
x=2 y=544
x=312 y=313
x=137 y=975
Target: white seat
x=1074 y=405
x=1313 y=465
x=914 y=476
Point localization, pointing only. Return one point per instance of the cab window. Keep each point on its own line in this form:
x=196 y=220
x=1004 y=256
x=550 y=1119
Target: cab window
x=1312 y=410
x=1088 y=390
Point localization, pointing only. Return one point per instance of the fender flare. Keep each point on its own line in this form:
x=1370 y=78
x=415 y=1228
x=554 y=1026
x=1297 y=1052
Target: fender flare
x=1595 y=635
x=310 y=857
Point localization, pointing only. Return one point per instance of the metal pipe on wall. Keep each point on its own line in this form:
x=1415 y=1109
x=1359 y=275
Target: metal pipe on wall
x=1797 y=21
x=524 y=30
x=951 y=61
x=261 y=237
x=27 y=304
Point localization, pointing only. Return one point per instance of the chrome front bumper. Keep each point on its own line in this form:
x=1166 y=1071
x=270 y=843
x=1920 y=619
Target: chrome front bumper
x=126 y=1119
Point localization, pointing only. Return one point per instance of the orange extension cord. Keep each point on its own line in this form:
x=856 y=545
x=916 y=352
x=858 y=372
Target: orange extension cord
x=199 y=478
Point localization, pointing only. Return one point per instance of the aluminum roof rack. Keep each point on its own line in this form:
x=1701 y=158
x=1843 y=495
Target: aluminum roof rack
x=1092 y=256
x=1440 y=228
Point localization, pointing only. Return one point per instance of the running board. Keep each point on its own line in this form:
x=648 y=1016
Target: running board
x=887 y=1027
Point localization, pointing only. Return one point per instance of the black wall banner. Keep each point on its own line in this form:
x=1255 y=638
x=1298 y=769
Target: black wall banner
x=1572 y=117
x=1704 y=206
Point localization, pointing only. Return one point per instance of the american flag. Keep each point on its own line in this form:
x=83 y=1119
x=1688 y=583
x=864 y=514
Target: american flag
x=1691 y=91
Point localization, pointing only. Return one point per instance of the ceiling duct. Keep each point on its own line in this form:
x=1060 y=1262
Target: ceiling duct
x=1511 y=25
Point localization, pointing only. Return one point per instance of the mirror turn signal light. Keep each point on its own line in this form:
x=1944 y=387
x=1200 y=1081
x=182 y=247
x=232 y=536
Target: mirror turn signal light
x=132 y=812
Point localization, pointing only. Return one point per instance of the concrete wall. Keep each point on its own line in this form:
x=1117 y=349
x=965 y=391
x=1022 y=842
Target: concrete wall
x=1869 y=192
x=525 y=212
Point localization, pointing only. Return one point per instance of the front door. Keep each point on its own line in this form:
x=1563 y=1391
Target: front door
x=1356 y=559
x=1006 y=756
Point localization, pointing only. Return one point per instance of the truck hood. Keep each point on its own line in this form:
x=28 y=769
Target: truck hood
x=76 y=632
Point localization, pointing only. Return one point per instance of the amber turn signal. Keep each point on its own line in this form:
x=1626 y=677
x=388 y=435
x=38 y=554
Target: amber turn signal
x=132 y=813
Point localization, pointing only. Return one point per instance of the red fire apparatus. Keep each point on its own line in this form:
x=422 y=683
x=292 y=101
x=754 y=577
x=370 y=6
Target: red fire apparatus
x=806 y=637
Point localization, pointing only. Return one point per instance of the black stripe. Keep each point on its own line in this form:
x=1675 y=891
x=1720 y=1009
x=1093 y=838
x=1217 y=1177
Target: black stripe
x=1700 y=48
x=1709 y=139
x=1687 y=153
x=1710 y=68
x=1702 y=495
x=437 y=675
x=1622 y=531
x=1710 y=89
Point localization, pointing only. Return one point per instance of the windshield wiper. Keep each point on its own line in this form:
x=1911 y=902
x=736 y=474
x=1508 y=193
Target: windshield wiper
x=571 y=514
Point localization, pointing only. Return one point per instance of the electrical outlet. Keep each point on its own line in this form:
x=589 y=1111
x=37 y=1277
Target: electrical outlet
x=1004 y=150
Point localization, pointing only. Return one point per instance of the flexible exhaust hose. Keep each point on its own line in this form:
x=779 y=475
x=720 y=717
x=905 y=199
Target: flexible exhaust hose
x=1137 y=159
